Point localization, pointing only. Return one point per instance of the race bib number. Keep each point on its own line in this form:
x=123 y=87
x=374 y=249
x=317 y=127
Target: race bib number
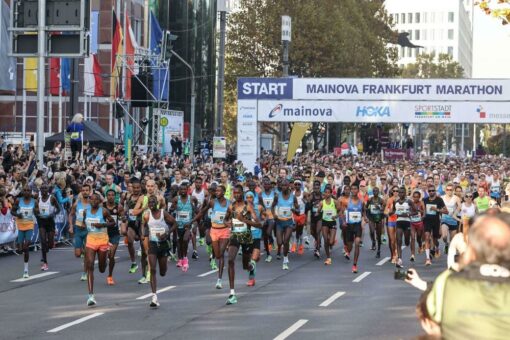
x=218 y=217
x=131 y=216
x=75 y=135
x=328 y=214
x=315 y=209
x=416 y=218
x=375 y=209
x=155 y=231
x=183 y=216
x=354 y=217
x=429 y=209
x=90 y=221
x=268 y=202
x=238 y=226
x=284 y=212
x=26 y=213
x=495 y=189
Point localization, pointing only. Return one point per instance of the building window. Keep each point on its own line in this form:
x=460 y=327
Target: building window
x=410 y=34
x=451 y=17
x=402 y=52
x=458 y=130
x=425 y=17
x=409 y=52
x=409 y=18
x=416 y=34
x=450 y=34
x=450 y=51
x=417 y=18
x=403 y=17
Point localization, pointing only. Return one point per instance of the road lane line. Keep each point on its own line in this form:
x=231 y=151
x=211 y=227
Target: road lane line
x=33 y=277
x=331 y=299
x=286 y=333
x=157 y=292
x=75 y=322
x=208 y=273
x=361 y=277
x=383 y=261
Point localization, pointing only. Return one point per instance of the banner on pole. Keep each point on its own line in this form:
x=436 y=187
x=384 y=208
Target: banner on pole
x=219 y=147
x=172 y=125
x=128 y=143
x=8 y=230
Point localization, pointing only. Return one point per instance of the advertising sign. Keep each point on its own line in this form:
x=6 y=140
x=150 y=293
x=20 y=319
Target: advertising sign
x=219 y=147
x=172 y=124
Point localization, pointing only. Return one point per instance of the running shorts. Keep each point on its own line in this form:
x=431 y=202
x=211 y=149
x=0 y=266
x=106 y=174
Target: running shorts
x=329 y=224
x=433 y=228
x=114 y=239
x=25 y=236
x=404 y=225
x=135 y=226
x=47 y=224
x=300 y=219
x=160 y=249
x=352 y=231
x=282 y=225
x=452 y=227
x=243 y=238
x=220 y=234
x=256 y=243
x=98 y=242
x=80 y=237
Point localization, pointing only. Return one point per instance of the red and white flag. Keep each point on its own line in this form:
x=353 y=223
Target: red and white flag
x=130 y=45
x=93 y=82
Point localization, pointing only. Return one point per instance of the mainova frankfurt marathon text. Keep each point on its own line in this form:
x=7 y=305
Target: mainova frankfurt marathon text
x=405 y=89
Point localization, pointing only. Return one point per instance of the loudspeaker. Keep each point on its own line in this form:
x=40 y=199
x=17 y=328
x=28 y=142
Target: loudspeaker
x=140 y=97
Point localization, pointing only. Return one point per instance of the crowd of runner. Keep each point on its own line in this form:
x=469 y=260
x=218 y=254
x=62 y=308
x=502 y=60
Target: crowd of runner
x=162 y=205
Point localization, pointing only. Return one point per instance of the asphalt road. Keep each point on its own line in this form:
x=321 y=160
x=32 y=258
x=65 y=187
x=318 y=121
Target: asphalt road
x=310 y=300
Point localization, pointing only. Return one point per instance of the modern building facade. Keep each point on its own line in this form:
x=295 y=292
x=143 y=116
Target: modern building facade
x=440 y=26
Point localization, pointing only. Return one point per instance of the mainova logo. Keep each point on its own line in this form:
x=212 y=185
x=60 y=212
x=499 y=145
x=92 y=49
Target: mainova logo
x=300 y=111
x=373 y=111
x=274 y=112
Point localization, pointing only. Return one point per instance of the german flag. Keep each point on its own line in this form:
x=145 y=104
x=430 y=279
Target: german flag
x=116 y=61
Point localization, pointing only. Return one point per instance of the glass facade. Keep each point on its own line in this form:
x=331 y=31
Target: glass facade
x=194 y=24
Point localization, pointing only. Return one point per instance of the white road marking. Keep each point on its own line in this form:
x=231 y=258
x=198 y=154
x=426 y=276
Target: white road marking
x=208 y=273
x=67 y=325
x=331 y=299
x=383 y=261
x=361 y=277
x=286 y=333
x=33 y=277
x=157 y=292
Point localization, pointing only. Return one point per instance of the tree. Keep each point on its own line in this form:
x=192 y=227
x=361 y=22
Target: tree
x=427 y=66
x=499 y=9
x=348 y=38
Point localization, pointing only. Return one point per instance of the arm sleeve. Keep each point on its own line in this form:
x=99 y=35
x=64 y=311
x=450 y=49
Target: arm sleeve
x=60 y=199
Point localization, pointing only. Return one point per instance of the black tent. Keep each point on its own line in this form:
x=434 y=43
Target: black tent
x=92 y=134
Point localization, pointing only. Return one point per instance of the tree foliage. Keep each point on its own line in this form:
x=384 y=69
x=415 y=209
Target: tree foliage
x=330 y=38
x=498 y=9
x=427 y=66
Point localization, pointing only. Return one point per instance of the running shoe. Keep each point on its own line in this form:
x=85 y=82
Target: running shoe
x=91 y=301
x=373 y=246
x=307 y=240
x=148 y=276
x=173 y=257
x=393 y=260
x=201 y=241
x=44 y=267
x=354 y=269
x=214 y=266
x=185 y=264
x=293 y=248
x=328 y=261
x=446 y=246
x=251 y=282
x=399 y=263
x=219 y=284
x=195 y=255
x=301 y=249
x=254 y=266
x=384 y=239
x=278 y=256
x=432 y=252
x=82 y=255
x=143 y=280
x=154 y=302
x=179 y=263
x=208 y=249
x=428 y=262
x=133 y=269
x=317 y=254
x=232 y=299
x=83 y=277
x=361 y=244
x=25 y=274
x=378 y=255
x=437 y=254
x=347 y=257
x=240 y=252
x=269 y=258
x=285 y=266
x=110 y=281
x=412 y=258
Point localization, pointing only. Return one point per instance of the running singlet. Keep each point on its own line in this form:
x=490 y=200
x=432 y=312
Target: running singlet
x=237 y=225
x=267 y=203
x=450 y=205
x=353 y=212
x=402 y=210
x=495 y=189
x=46 y=209
x=466 y=212
x=26 y=210
x=284 y=207
x=91 y=218
x=218 y=214
x=184 y=212
x=156 y=227
x=375 y=211
x=130 y=206
x=200 y=196
x=301 y=203
x=80 y=208
x=114 y=213
x=328 y=210
x=482 y=203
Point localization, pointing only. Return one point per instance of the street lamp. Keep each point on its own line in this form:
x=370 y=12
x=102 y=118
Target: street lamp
x=193 y=96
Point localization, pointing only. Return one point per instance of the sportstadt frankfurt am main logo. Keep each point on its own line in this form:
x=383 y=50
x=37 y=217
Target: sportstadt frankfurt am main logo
x=274 y=112
x=481 y=111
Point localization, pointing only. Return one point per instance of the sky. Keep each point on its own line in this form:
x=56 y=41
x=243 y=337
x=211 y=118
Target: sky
x=491 y=47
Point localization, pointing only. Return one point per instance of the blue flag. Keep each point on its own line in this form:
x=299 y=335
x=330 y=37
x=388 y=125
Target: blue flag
x=160 y=75
x=65 y=75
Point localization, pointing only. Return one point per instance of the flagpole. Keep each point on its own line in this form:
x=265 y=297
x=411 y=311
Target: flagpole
x=50 y=116
x=110 y=127
x=60 y=104
x=126 y=117
x=24 y=107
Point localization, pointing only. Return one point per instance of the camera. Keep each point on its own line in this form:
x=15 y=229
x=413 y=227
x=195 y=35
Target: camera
x=401 y=274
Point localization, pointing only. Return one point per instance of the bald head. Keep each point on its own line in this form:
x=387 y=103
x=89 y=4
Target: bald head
x=489 y=239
